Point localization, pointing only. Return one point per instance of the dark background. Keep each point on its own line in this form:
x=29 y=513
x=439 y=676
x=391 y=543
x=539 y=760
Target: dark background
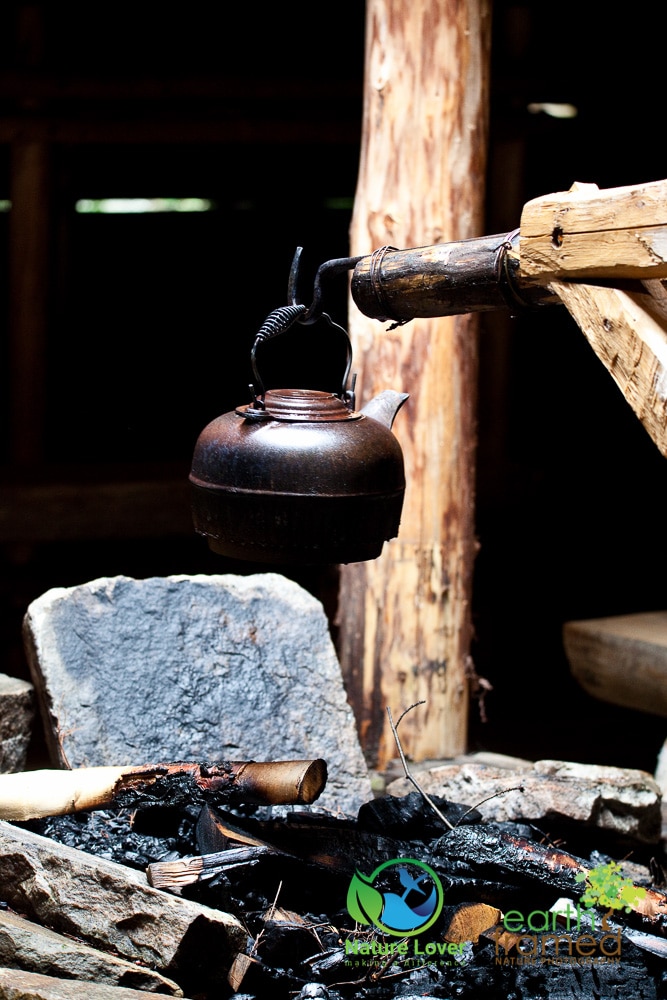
x=149 y=319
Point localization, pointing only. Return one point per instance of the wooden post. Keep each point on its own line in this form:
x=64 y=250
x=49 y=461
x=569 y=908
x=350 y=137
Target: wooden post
x=29 y=274
x=404 y=619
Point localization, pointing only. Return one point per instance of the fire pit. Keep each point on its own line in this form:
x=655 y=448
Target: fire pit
x=413 y=896
x=211 y=878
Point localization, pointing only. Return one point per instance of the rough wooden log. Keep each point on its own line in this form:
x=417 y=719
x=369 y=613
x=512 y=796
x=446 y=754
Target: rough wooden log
x=588 y=233
x=474 y=275
x=26 y=945
x=32 y=794
x=54 y=886
x=335 y=845
x=628 y=332
x=405 y=623
x=622 y=659
x=583 y=233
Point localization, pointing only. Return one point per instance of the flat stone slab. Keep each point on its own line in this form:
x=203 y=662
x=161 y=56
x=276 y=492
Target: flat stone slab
x=623 y=800
x=111 y=907
x=28 y=946
x=16 y=719
x=193 y=668
x=16 y=984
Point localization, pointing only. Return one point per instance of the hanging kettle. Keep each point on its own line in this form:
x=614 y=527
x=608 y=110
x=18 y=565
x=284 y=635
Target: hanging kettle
x=298 y=476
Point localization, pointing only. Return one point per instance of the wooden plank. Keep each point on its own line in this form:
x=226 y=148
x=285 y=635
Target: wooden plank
x=628 y=332
x=405 y=620
x=621 y=660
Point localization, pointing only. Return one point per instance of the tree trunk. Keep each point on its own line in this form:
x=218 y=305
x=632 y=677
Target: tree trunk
x=404 y=618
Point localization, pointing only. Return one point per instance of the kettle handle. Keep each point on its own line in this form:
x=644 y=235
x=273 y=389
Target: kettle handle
x=279 y=321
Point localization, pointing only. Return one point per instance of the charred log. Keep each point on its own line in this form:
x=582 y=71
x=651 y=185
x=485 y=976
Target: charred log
x=29 y=795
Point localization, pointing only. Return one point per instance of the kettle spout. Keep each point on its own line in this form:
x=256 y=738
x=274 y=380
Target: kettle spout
x=385 y=406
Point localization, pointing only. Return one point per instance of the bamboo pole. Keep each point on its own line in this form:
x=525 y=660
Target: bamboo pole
x=404 y=619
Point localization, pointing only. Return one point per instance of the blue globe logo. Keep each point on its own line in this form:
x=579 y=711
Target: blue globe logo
x=401 y=897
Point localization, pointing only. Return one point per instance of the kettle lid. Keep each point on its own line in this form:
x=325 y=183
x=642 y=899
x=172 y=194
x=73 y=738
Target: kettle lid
x=298 y=405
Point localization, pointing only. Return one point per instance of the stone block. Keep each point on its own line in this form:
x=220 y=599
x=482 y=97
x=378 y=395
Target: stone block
x=196 y=668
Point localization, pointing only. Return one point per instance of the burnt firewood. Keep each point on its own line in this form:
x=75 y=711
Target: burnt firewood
x=33 y=794
x=487 y=850
x=337 y=846
x=216 y=832
x=286 y=937
x=468 y=920
x=407 y=817
x=126 y=837
x=174 y=875
x=239 y=969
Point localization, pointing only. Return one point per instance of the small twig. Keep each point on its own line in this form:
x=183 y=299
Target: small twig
x=275 y=901
x=402 y=715
x=415 y=783
x=380 y=973
x=496 y=795
x=272 y=910
x=406 y=769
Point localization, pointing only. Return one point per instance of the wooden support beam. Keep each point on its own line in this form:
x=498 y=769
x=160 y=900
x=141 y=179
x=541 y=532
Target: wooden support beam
x=588 y=233
x=628 y=332
x=29 y=242
x=405 y=625
x=600 y=253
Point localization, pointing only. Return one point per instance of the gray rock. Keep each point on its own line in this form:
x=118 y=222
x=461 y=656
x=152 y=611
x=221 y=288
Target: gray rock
x=200 y=668
x=16 y=718
x=27 y=946
x=622 y=800
x=111 y=907
x=16 y=984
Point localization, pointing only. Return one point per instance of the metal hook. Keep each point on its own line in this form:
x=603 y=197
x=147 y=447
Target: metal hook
x=314 y=311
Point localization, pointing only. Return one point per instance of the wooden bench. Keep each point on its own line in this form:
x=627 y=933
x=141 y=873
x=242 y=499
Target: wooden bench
x=622 y=659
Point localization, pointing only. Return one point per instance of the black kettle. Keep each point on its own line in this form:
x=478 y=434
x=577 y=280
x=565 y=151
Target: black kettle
x=298 y=476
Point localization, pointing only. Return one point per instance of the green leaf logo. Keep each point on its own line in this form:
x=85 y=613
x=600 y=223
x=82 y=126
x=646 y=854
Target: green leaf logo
x=605 y=886
x=364 y=902
x=408 y=902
